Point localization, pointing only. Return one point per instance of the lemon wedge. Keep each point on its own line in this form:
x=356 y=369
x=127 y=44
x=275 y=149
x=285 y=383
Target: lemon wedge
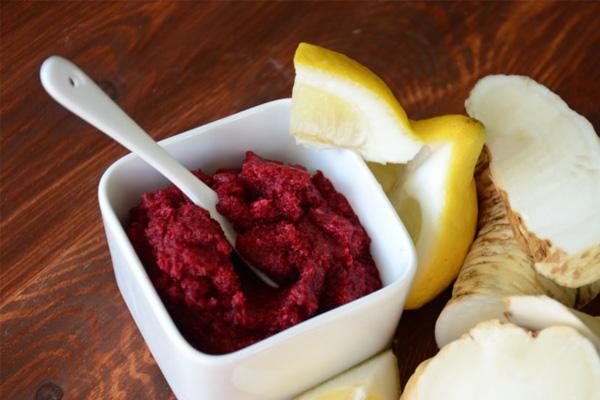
x=435 y=196
x=375 y=379
x=337 y=102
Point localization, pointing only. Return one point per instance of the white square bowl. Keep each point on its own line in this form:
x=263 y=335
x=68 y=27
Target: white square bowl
x=299 y=357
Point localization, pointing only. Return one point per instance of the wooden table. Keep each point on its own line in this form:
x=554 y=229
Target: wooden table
x=174 y=66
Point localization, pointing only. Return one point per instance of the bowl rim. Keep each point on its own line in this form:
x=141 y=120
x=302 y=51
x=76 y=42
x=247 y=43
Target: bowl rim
x=159 y=309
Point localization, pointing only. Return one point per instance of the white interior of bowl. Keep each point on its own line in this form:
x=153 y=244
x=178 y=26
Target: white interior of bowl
x=222 y=144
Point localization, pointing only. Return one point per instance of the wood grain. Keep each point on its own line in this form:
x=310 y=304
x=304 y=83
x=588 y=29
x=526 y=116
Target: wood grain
x=65 y=332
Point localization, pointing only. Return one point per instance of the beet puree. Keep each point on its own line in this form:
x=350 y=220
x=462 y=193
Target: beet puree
x=295 y=227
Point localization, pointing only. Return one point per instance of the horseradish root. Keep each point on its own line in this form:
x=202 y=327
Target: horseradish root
x=498 y=266
x=546 y=164
x=538 y=184
x=498 y=360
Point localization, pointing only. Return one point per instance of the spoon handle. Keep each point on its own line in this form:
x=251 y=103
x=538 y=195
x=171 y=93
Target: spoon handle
x=73 y=89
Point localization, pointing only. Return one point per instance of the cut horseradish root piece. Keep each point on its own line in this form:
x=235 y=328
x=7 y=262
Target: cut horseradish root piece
x=545 y=160
x=539 y=312
x=503 y=361
x=337 y=102
x=498 y=266
x=531 y=312
x=375 y=379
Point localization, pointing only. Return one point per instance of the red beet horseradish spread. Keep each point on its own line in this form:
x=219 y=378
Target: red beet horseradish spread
x=293 y=226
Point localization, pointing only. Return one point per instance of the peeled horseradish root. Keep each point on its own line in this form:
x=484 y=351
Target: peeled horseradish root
x=498 y=268
x=337 y=102
x=498 y=360
x=545 y=161
x=501 y=276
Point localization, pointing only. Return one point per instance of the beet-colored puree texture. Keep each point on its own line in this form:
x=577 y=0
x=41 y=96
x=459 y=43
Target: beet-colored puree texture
x=293 y=226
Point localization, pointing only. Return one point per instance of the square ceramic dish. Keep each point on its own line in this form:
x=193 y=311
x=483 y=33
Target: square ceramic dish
x=293 y=360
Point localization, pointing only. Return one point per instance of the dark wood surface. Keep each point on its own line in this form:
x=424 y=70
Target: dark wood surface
x=173 y=66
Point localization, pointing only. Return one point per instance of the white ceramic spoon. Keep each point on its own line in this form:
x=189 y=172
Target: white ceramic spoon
x=75 y=91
